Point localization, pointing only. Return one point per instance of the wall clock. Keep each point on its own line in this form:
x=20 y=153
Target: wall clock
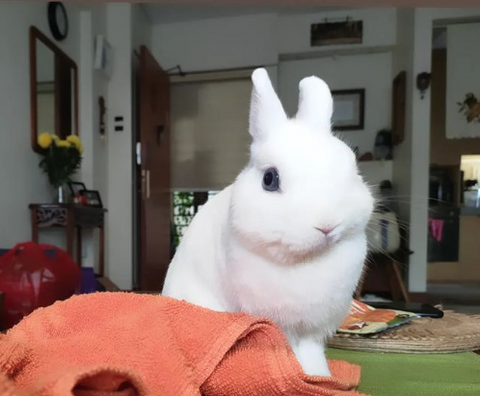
x=58 y=20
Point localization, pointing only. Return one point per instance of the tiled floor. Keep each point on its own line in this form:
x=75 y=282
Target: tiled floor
x=461 y=296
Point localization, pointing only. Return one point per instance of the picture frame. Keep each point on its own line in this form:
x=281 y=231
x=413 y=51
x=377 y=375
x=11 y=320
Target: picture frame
x=348 y=109
x=76 y=187
x=92 y=197
x=336 y=32
x=399 y=100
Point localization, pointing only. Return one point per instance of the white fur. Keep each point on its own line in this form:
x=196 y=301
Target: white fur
x=260 y=252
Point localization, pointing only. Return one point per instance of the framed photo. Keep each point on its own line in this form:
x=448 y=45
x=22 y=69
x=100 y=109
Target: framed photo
x=92 y=197
x=76 y=187
x=348 y=109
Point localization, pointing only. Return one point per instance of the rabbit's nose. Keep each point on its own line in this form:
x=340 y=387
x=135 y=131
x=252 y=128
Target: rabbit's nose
x=326 y=229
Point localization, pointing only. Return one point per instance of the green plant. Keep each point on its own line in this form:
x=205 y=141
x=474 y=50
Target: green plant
x=61 y=158
x=183 y=212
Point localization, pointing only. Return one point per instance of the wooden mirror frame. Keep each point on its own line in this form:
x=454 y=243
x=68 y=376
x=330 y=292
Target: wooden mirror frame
x=35 y=35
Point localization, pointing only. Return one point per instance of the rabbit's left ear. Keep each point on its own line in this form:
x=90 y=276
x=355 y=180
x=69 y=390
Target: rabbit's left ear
x=266 y=111
x=315 y=106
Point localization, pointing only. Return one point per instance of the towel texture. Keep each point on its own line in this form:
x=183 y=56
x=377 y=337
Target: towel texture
x=125 y=344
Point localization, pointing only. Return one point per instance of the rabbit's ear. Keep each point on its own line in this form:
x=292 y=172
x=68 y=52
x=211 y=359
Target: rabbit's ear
x=266 y=111
x=315 y=104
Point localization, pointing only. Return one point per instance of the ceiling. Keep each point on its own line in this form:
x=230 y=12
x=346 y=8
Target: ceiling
x=171 y=13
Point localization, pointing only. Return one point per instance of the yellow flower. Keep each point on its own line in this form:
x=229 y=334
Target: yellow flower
x=45 y=140
x=76 y=142
x=63 y=143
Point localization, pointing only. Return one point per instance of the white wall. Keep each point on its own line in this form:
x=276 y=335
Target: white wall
x=269 y=39
x=224 y=43
x=119 y=33
x=92 y=86
x=372 y=72
x=21 y=181
x=141 y=28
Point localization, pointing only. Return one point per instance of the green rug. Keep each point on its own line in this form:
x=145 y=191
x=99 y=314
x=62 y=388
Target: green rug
x=394 y=374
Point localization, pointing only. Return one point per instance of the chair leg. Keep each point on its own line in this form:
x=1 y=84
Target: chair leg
x=397 y=287
x=358 y=291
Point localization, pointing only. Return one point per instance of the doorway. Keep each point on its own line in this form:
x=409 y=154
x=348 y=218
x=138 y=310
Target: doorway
x=454 y=222
x=151 y=170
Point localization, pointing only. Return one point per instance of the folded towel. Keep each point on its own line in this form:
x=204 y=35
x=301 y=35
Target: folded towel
x=126 y=344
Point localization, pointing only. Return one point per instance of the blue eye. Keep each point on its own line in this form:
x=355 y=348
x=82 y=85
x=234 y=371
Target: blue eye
x=271 y=180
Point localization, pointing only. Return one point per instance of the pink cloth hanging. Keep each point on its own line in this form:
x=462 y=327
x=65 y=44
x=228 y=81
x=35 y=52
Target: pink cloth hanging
x=436 y=228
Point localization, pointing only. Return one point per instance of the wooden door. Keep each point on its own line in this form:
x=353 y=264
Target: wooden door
x=154 y=198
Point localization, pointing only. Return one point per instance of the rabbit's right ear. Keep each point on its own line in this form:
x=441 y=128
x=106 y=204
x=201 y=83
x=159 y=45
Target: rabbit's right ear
x=266 y=111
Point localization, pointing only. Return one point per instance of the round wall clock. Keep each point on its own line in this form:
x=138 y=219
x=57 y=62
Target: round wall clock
x=58 y=20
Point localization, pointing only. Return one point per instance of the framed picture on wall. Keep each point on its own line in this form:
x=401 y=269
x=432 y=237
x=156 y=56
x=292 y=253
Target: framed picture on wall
x=348 y=109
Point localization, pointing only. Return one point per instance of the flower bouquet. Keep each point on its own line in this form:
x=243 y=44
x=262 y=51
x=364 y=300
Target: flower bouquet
x=61 y=159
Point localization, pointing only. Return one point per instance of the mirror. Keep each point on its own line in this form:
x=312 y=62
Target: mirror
x=53 y=89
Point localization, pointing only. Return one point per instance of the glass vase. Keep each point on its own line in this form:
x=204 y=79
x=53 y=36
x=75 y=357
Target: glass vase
x=61 y=195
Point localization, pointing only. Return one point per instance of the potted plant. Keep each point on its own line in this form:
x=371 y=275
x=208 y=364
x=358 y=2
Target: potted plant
x=61 y=159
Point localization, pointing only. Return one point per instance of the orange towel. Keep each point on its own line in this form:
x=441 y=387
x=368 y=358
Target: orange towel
x=125 y=344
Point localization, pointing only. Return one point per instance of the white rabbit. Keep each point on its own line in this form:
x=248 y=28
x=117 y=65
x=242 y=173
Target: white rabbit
x=287 y=239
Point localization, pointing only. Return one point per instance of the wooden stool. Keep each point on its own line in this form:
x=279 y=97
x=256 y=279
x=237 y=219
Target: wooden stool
x=382 y=274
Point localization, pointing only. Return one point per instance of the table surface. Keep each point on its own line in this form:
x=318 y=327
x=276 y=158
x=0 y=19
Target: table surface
x=398 y=374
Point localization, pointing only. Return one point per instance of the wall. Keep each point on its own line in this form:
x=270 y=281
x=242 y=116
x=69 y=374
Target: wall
x=141 y=28
x=463 y=59
x=256 y=40
x=224 y=43
x=20 y=178
x=445 y=151
x=270 y=39
x=93 y=85
x=372 y=72
x=119 y=27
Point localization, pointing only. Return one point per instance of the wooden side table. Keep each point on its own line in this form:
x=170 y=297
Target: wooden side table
x=70 y=217
x=382 y=273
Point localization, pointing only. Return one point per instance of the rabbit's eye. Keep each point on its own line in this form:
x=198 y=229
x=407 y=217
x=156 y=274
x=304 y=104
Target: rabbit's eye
x=271 y=180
